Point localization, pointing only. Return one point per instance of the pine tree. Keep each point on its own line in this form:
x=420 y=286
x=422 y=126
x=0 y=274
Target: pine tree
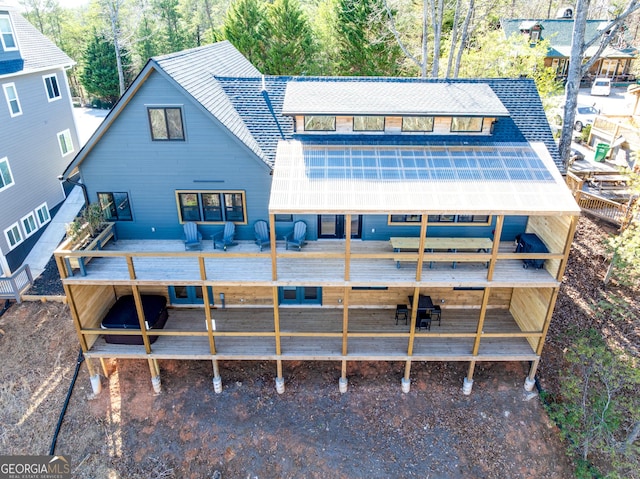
x=243 y=28
x=100 y=73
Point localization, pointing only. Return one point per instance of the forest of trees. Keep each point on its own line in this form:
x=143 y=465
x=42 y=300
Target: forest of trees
x=113 y=39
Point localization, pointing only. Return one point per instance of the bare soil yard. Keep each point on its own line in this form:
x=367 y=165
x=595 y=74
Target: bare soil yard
x=250 y=431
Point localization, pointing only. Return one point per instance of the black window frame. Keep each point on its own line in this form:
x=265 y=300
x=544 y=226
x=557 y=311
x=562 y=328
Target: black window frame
x=442 y=220
x=353 y=123
x=405 y=130
x=232 y=206
x=111 y=207
x=453 y=119
x=307 y=118
x=52 y=87
x=164 y=109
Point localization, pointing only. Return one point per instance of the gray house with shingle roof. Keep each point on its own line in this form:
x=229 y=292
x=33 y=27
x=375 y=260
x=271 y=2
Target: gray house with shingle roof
x=614 y=62
x=38 y=136
x=410 y=191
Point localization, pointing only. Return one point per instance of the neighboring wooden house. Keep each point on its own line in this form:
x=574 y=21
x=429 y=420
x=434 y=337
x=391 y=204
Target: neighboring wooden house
x=38 y=136
x=614 y=62
x=458 y=168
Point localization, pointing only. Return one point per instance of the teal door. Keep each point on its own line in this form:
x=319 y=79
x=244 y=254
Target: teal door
x=189 y=295
x=300 y=295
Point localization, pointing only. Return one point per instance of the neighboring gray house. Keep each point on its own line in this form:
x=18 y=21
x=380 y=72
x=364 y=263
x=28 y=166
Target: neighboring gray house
x=38 y=135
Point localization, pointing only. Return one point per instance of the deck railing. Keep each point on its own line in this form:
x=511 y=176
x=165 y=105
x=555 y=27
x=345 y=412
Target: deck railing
x=13 y=286
x=602 y=208
x=574 y=182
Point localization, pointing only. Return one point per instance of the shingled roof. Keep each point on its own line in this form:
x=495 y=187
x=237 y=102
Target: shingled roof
x=36 y=50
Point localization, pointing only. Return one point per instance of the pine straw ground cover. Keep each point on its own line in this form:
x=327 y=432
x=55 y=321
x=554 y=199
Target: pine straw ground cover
x=250 y=431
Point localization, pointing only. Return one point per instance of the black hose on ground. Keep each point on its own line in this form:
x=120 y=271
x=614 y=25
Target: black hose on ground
x=66 y=403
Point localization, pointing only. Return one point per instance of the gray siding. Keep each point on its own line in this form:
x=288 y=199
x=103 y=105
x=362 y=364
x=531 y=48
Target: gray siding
x=30 y=143
x=210 y=158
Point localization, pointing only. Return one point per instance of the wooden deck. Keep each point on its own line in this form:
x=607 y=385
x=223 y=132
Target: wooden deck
x=316 y=334
x=320 y=263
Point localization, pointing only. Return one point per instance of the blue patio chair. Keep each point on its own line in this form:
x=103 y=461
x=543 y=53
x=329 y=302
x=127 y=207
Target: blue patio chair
x=192 y=237
x=261 y=228
x=224 y=238
x=297 y=236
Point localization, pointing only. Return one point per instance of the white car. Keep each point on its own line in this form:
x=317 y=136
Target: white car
x=585 y=115
x=601 y=86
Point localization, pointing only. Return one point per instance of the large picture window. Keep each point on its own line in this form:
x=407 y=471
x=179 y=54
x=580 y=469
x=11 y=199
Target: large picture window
x=212 y=206
x=6 y=34
x=6 y=179
x=51 y=86
x=115 y=206
x=166 y=123
x=476 y=220
x=466 y=123
x=13 y=101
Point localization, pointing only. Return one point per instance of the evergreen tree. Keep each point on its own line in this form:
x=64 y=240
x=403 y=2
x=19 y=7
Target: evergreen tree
x=100 y=73
x=366 y=46
x=243 y=28
x=290 y=48
x=172 y=28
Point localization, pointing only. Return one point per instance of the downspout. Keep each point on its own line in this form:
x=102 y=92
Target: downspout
x=81 y=185
x=267 y=100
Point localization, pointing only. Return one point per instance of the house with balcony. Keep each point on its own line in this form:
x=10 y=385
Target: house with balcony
x=614 y=62
x=37 y=139
x=412 y=193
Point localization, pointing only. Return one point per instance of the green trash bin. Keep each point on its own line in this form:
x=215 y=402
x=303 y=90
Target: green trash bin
x=601 y=152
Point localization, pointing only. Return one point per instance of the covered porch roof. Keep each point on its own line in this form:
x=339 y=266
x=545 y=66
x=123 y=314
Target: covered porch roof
x=510 y=179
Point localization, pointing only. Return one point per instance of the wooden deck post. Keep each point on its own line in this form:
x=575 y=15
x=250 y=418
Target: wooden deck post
x=155 y=375
x=406 y=380
x=342 y=383
x=217 y=380
x=468 y=381
x=94 y=377
x=276 y=320
x=104 y=368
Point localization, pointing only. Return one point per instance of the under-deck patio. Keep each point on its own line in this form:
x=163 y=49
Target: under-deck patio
x=317 y=334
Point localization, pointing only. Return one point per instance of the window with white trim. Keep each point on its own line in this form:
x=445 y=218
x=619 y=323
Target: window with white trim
x=13 y=235
x=29 y=224
x=7 y=37
x=6 y=178
x=51 y=87
x=11 y=94
x=212 y=206
x=66 y=144
x=42 y=213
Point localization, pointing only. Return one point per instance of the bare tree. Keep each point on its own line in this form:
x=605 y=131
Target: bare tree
x=578 y=67
x=422 y=61
x=437 y=11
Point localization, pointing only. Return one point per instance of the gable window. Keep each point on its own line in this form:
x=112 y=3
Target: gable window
x=6 y=179
x=6 y=34
x=13 y=235
x=417 y=123
x=115 y=206
x=13 y=101
x=42 y=212
x=51 y=85
x=368 y=123
x=65 y=142
x=466 y=123
x=319 y=123
x=29 y=224
x=476 y=220
x=212 y=206
x=166 y=123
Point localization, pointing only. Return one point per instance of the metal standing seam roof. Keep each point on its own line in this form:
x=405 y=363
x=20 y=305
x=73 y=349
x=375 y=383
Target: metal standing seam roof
x=517 y=178
x=387 y=98
x=37 y=51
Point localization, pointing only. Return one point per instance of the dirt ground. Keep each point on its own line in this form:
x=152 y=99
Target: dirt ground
x=250 y=431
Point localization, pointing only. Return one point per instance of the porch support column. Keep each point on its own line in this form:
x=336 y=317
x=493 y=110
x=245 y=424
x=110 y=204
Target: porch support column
x=468 y=381
x=217 y=380
x=279 y=378
x=342 y=384
x=94 y=377
x=155 y=375
x=276 y=325
x=530 y=381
